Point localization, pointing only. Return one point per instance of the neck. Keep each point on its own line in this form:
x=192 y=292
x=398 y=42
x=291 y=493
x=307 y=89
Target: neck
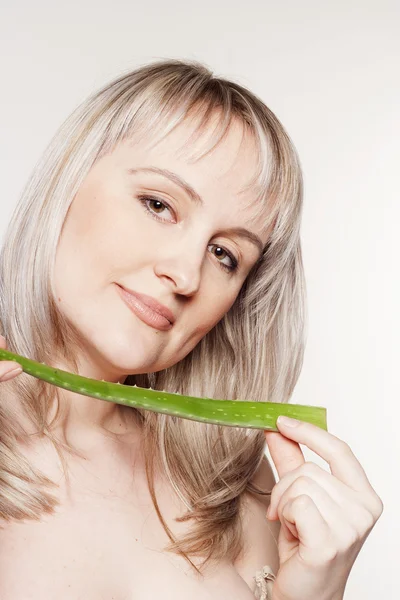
x=87 y=417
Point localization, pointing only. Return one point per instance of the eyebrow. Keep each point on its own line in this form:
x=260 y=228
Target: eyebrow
x=197 y=199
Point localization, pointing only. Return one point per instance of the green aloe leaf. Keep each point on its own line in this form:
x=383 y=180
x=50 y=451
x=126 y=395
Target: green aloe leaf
x=232 y=413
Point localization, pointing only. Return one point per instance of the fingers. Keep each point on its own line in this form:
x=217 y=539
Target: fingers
x=312 y=529
x=285 y=453
x=344 y=465
x=8 y=369
x=342 y=495
x=305 y=505
x=339 y=520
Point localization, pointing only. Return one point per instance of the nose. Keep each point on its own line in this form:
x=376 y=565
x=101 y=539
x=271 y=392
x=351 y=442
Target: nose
x=182 y=271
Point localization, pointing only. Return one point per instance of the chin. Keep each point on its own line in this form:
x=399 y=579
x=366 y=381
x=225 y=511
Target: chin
x=121 y=356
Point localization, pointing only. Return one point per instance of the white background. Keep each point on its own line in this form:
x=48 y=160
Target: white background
x=330 y=72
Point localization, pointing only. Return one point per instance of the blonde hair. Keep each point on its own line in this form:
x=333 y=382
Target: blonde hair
x=254 y=353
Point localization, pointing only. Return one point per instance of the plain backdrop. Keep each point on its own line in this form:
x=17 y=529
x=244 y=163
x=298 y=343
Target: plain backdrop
x=330 y=72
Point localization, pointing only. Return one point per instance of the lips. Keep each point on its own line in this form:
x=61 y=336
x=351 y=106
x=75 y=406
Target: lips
x=151 y=303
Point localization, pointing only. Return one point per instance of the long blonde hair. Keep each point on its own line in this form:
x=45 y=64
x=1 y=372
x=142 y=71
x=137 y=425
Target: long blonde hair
x=254 y=353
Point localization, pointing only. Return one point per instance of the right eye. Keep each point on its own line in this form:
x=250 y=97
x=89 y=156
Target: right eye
x=157 y=203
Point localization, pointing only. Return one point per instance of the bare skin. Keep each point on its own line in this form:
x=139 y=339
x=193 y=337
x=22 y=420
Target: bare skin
x=105 y=540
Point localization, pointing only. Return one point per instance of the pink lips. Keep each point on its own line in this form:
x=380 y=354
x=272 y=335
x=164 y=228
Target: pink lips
x=148 y=309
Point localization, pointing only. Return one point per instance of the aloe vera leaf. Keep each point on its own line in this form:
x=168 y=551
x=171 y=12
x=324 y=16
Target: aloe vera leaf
x=232 y=413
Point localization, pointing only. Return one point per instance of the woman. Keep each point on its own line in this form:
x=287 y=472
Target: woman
x=157 y=244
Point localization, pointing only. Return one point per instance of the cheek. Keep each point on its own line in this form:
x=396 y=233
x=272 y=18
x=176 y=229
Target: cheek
x=209 y=312
x=199 y=322
x=95 y=239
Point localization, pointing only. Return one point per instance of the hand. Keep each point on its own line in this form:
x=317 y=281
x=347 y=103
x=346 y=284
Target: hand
x=8 y=368
x=325 y=517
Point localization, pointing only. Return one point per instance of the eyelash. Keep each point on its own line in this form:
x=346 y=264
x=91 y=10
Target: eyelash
x=144 y=199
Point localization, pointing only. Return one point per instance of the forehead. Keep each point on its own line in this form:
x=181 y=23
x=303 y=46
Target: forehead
x=220 y=172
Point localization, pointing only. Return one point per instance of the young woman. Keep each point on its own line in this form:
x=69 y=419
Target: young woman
x=157 y=244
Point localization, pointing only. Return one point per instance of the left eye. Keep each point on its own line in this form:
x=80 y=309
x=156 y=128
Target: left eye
x=234 y=263
x=146 y=200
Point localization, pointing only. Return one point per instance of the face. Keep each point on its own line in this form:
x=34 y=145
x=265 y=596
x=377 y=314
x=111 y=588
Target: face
x=132 y=230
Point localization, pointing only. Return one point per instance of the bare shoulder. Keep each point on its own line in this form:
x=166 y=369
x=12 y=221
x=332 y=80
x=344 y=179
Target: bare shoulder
x=260 y=535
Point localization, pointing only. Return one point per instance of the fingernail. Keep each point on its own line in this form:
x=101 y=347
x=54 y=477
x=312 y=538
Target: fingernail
x=288 y=421
x=11 y=374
